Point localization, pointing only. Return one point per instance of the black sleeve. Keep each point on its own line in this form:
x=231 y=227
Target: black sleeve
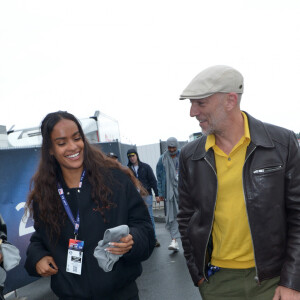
x=35 y=251
x=186 y=211
x=152 y=180
x=290 y=272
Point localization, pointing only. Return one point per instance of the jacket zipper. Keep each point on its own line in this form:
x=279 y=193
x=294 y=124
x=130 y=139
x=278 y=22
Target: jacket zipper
x=262 y=171
x=256 y=277
x=211 y=220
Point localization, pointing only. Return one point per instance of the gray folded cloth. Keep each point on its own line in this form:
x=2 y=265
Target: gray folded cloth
x=11 y=256
x=105 y=259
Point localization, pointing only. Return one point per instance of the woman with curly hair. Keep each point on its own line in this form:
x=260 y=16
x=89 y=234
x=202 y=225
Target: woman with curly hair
x=76 y=196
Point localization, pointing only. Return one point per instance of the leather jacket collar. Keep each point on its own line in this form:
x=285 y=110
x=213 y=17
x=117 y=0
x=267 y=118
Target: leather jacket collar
x=259 y=137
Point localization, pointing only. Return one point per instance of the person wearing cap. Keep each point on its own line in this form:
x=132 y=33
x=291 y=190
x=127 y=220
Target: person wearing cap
x=239 y=196
x=144 y=173
x=167 y=170
x=112 y=155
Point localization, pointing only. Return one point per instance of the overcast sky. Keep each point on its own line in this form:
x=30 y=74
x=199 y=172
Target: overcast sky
x=132 y=59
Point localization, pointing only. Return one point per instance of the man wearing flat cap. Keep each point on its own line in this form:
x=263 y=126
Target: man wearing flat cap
x=167 y=170
x=239 y=197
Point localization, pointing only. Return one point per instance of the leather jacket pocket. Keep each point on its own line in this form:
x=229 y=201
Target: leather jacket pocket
x=193 y=220
x=267 y=170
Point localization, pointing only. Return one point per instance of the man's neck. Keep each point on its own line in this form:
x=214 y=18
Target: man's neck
x=232 y=133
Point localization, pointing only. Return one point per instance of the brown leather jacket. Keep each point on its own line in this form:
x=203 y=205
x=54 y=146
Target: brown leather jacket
x=271 y=182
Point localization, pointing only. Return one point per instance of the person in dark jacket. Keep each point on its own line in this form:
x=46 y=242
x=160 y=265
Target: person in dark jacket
x=3 y=238
x=77 y=194
x=144 y=173
x=239 y=197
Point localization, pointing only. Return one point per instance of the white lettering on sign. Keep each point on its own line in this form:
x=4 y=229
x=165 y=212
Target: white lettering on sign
x=23 y=230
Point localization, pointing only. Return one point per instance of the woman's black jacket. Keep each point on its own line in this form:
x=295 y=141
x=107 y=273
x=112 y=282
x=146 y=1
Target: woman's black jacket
x=94 y=283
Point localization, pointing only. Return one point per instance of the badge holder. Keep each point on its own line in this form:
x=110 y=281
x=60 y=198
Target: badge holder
x=75 y=255
x=75 y=249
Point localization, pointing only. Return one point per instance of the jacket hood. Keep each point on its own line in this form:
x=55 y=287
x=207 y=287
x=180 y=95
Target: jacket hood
x=132 y=151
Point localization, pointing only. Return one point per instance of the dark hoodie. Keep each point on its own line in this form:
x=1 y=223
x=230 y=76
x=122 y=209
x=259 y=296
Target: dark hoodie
x=144 y=174
x=3 y=230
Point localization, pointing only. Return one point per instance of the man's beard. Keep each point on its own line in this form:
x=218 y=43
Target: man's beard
x=172 y=153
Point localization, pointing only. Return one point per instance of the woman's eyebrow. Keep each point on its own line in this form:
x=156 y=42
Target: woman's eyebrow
x=63 y=138
x=60 y=138
x=75 y=133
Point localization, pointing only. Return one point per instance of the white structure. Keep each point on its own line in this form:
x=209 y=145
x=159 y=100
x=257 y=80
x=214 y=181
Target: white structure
x=3 y=137
x=99 y=128
x=149 y=154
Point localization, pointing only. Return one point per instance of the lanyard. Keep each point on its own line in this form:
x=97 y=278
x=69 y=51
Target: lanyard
x=67 y=207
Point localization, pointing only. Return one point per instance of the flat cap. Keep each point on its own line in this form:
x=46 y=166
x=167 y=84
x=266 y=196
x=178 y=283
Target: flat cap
x=216 y=79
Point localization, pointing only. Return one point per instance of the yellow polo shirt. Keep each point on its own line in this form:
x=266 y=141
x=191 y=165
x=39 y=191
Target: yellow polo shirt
x=232 y=243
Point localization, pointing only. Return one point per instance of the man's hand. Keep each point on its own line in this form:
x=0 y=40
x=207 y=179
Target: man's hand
x=200 y=281
x=159 y=199
x=121 y=247
x=283 y=293
x=46 y=266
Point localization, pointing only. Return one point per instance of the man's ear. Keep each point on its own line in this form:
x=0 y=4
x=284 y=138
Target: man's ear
x=232 y=100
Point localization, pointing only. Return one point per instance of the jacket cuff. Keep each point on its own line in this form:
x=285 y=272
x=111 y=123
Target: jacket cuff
x=290 y=280
x=32 y=260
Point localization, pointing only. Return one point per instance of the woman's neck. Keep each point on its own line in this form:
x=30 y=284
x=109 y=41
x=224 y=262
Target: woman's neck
x=72 y=177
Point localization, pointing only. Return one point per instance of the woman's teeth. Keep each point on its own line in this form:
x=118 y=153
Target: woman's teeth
x=73 y=155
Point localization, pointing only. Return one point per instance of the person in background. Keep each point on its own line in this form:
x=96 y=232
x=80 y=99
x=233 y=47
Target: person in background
x=143 y=192
x=77 y=194
x=144 y=173
x=112 y=155
x=3 y=238
x=239 y=196
x=167 y=171
x=9 y=256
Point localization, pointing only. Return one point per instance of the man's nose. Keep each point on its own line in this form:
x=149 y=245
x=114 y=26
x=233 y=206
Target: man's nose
x=194 y=111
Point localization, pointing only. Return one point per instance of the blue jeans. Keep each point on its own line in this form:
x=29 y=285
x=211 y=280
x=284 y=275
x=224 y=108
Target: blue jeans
x=149 y=201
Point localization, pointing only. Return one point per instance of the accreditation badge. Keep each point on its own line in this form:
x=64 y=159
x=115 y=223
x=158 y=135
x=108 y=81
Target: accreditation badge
x=74 y=258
